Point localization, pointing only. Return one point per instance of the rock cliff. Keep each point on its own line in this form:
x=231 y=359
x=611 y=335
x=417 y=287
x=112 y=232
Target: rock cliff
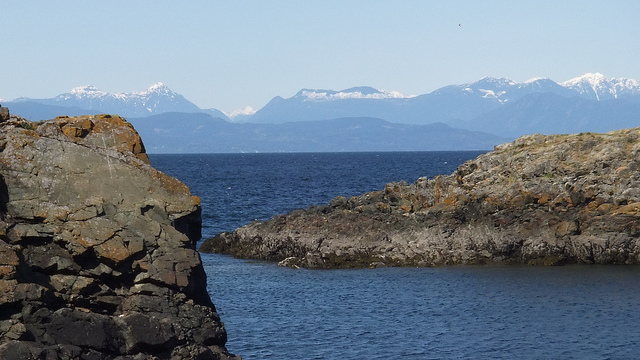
x=538 y=200
x=97 y=248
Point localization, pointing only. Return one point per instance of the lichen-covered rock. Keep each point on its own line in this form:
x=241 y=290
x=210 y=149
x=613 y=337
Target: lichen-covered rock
x=97 y=248
x=538 y=200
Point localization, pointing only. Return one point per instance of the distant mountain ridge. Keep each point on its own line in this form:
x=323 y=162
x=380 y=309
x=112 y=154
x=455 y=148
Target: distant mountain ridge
x=200 y=133
x=453 y=103
x=449 y=103
x=489 y=110
x=157 y=99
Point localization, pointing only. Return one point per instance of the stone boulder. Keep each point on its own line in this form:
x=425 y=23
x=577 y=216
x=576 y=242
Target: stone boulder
x=4 y=114
x=97 y=248
x=538 y=200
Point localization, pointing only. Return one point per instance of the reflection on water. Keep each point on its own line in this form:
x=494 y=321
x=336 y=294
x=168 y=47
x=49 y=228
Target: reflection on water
x=493 y=312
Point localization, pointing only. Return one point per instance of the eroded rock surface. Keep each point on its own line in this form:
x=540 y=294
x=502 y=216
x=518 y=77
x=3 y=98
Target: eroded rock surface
x=538 y=200
x=97 y=248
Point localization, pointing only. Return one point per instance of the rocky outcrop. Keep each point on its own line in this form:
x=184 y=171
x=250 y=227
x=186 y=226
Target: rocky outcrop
x=4 y=113
x=97 y=248
x=538 y=200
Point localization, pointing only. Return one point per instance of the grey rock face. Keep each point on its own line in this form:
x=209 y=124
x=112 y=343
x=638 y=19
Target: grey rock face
x=538 y=200
x=97 y=248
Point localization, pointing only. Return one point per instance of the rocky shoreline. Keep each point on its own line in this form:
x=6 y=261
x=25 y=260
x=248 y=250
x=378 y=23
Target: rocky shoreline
x=97 y=248
x=539 y=200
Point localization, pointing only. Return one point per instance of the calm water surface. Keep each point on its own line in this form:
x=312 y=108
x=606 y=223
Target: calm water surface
x=494 y=312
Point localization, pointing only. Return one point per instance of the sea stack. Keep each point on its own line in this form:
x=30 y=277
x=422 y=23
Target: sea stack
x=540 y=200
x=97 y=248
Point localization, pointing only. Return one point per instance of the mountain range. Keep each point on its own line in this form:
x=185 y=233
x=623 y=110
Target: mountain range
x=468 y=106
x=203 y=134
x=468 y=116
x=157 y=99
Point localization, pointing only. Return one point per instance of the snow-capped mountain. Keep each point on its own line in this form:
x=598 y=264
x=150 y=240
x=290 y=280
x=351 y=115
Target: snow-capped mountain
x=362 y=92
x=454 y=103
x=595 y=86
x=487 y=88
x=241 y=115
x=504 y=90
x=497 y=107
x=157 y=99
x=315 y=104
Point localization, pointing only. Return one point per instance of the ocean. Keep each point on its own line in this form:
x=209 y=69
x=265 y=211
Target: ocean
x=456 y=312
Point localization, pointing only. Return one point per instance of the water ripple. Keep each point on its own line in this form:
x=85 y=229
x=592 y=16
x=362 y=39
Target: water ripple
x=570 y=312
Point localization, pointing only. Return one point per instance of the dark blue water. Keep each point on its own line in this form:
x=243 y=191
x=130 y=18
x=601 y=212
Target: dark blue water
x=494 y=312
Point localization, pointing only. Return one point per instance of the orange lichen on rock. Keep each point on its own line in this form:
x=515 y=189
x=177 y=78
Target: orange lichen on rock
x=170 y=184
x=114 y=250
x=630 y=209
x=108 y=131
x=124 y=136
x=79 y=128
x=196 y=200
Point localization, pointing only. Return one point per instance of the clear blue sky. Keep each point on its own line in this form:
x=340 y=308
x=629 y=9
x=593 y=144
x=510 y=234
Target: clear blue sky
x=230 y=54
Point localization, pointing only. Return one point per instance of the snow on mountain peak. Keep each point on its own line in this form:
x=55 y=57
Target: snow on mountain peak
x=157 y=98
x=352 y=93
x=158 y=87
x=602 y=88
x=88 y=90
x=487 y=87
x=535 y=80
x=247 y=111
x=593 y=79
x=499 y=81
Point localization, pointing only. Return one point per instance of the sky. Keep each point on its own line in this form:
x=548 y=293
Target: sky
x=231 y=54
